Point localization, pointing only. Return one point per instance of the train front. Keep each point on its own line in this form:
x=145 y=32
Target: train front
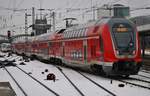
x=122 y=54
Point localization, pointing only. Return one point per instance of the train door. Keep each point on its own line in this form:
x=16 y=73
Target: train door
x=63 y=49
x=101 y=48
x=85 y=51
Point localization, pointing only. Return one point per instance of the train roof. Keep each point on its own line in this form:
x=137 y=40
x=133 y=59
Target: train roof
x=43 y=37
x=71 y=32
x=89 y=23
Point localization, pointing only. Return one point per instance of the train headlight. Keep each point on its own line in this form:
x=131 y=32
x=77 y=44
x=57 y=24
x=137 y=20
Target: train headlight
x=117 y=52
x=133 y=52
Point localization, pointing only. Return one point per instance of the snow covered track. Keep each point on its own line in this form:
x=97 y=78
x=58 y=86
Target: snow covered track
x=137 y=82
x=26 y=78
x=144 y=76
x=71 y=81
x=97 y=84
x=89 y=85
x=39 y=82
x=145 y=71
x=68 y=82
x=25 y=94
x=81 y=93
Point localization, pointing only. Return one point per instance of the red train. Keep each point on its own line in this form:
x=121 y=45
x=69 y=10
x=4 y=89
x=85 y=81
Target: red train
x=109 y=45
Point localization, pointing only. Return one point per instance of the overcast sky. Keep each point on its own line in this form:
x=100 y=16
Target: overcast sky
x=9 y=17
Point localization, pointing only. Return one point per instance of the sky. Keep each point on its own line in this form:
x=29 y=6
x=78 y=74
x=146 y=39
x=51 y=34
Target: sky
x=14 y=20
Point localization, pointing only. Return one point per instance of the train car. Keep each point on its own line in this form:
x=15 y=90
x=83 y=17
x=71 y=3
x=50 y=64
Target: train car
x=5 y=47
x=108 y=45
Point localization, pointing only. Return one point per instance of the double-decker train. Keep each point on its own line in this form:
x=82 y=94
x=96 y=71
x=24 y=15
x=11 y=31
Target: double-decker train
x=108 y=45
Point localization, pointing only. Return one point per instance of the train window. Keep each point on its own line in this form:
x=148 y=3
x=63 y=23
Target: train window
x=123 y=35
x=78 y=33
x=75 y=33
x=50 y=44
x=67 y=34
x=81 y=32
x=70 y=34
x=84 y=32
x=64 y=35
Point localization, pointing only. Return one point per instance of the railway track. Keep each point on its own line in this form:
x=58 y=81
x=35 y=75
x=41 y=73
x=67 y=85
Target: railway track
x=136 y=82
x=100 y=86
x=22 y=90
x=76 y=86
x=110 y=90
x=60 y=68
x=81 y=93
x=144 y=76
x=141 y=78
x=56 y=94
x=92 y=81
x=43 y=87
x=146 y=64
x=145 y=71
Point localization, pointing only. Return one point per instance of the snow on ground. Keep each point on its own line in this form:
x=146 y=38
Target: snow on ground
x=62 y=86
x=127 y=90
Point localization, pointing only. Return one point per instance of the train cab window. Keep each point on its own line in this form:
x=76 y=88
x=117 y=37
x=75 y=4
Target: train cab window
x=124 y=36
